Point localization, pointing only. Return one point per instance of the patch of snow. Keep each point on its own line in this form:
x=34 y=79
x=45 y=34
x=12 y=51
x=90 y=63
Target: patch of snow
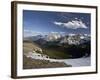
x=78 y=62
x=85 y=61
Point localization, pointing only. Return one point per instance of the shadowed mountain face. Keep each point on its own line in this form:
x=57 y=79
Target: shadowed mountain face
x=66 y=46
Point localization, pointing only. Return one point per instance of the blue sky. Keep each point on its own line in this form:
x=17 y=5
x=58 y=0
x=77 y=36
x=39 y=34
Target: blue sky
x=44 y=22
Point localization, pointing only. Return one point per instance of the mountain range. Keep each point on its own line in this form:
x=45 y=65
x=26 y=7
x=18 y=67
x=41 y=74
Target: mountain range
x=63 y=46
x=71 y=39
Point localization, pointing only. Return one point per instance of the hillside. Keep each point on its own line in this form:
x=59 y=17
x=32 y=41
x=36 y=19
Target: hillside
x=29 y=63
x=52 y=52
x=29 y=46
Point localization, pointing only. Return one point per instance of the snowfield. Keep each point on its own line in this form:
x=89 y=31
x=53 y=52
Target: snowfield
x=78 y=62
x=85 y=61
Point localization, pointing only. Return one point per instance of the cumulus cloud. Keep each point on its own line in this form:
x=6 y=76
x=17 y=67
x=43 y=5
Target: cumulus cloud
x=74 y=24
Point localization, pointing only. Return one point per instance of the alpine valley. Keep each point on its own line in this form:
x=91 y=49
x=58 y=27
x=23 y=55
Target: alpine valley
x=61 y=46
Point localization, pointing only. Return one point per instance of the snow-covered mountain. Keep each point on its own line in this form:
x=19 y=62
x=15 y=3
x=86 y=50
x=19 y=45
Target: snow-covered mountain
x=75 y=45
x=52 y=37
x=74 y=39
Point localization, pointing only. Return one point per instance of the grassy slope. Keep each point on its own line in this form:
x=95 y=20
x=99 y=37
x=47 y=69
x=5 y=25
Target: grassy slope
x=55 y=53
x=51 y=52
x=29 y=46
x=29 y=63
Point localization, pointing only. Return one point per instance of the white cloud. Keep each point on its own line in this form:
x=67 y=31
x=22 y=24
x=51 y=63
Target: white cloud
x=27 y=33
x=58 y=23
x=54 y=32
x=74 y=24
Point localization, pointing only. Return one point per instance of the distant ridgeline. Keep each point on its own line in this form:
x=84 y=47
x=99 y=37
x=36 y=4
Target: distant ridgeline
x=63 y=46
